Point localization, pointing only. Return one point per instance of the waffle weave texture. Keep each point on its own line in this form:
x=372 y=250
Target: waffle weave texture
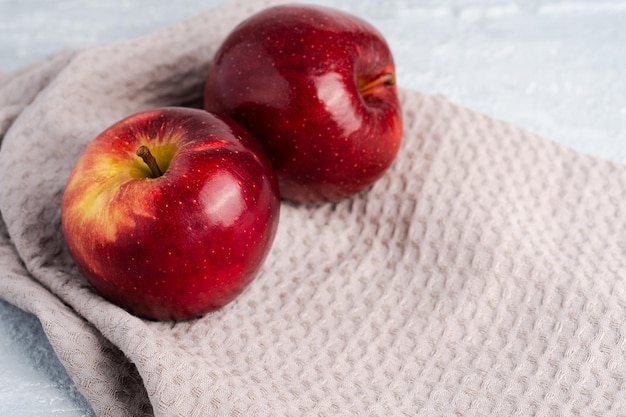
x=483 y=275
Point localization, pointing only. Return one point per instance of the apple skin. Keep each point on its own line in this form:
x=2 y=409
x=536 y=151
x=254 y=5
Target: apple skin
x=175 y=246
x=316 y=87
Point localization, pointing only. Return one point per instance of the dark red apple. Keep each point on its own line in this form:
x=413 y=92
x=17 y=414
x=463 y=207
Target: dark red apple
x=170 y=213
x=317 y=88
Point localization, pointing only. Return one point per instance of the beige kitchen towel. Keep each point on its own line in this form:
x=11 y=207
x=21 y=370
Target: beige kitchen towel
x=483 y=275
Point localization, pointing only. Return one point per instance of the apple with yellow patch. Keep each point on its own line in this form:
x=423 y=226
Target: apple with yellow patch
x=170 y=213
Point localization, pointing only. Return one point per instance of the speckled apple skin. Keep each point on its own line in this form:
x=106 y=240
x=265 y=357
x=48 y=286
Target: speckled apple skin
x=176 y=246
x=292 y=75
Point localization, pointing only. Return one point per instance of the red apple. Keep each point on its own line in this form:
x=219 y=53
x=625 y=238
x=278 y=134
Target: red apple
x=316 y=86
x=170 y=213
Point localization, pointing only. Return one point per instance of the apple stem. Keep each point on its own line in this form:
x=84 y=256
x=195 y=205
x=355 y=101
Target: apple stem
x=386 y=78
x=144 y=153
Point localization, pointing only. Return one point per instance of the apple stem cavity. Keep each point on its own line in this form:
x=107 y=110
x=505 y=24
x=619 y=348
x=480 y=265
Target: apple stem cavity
x=144 y=153
x=385 y=79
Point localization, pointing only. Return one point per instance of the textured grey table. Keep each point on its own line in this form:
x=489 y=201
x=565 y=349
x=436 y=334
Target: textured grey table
x=557 y=68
